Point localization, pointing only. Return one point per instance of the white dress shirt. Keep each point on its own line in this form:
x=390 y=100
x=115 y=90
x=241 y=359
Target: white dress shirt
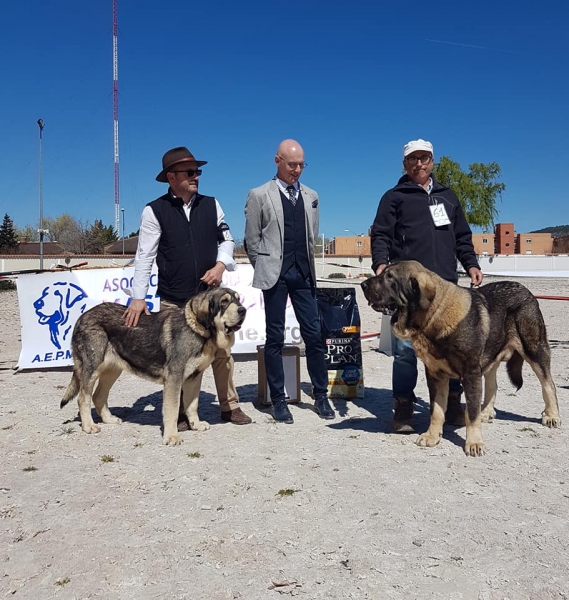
x=148 y=239
x=282 y=186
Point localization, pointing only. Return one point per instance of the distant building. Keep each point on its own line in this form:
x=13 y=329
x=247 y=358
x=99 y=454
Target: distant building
x=483 y=243
x=505 y=240
x=130 y=245
x=359 y=245
x=33 y=248
x=534 y=243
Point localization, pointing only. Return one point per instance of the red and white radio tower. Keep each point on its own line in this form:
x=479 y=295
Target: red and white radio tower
x=116 y=114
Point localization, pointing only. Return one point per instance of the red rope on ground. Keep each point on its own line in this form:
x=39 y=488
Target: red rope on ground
x=552 y=297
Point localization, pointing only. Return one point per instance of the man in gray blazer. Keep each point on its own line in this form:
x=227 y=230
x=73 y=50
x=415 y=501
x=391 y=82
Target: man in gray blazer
x=280 y=229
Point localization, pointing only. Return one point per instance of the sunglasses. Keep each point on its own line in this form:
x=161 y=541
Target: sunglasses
x=189 y=172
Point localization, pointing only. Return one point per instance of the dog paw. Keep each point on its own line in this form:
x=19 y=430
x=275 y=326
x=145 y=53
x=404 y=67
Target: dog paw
x=487 y=417
x=111 y=420
x=553 y=422
x=474 y=448
x=426 y=440
x=199 y=425
x=91 y=428
x=172 y=440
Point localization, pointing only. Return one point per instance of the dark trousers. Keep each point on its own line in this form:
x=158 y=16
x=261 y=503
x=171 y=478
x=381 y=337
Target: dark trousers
x=303 y=297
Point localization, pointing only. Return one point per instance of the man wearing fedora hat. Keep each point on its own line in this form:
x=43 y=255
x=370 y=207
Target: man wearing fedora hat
x=420 y=219
x=186 y=233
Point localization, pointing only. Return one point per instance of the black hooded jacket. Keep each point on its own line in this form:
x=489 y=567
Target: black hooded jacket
x=403 y=229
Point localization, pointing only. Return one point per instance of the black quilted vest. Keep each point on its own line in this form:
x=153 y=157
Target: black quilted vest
x=187 y=249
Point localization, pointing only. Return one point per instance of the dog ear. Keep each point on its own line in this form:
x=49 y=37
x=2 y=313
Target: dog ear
x=205 y=312
x=405 y=296
x=213 y=305
x=427 y=289
x=403 y=290
x=414 y=297
x=199 y=317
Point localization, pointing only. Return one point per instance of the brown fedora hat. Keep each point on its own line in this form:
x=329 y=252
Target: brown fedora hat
x=173 y=157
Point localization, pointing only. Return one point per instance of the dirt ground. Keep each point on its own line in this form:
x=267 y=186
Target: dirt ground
x=318 y=509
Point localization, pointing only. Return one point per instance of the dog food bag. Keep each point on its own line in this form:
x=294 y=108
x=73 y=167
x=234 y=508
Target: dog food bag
x=340 y=324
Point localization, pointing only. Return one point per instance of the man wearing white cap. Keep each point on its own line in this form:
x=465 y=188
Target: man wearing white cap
x=420 y=219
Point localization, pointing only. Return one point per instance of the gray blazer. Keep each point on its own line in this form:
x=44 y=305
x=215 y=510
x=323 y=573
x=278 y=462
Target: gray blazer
x=264 y=226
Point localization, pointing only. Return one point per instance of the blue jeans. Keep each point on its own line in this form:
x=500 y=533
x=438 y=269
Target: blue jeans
x=404 y=374
x=303 y=298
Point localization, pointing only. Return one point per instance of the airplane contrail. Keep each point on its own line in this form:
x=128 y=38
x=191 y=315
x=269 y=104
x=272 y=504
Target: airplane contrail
x=471 y=46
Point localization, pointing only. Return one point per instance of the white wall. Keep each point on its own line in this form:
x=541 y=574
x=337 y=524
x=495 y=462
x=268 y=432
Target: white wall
x=531 y=265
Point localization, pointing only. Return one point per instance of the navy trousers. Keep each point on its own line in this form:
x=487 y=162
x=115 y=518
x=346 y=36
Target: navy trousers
x=303 y=298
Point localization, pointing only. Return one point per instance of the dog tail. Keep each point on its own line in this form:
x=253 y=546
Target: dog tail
x=71 y=391
x=514 y=368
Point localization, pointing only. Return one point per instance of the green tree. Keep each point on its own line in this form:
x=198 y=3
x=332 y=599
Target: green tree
x=68 y=232
x=239 y=246
x=9 y=240
x=30 y=233
x=98 y=236
x=478 y=190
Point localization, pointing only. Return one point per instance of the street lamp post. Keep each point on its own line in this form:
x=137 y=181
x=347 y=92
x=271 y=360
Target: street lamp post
x=122 y=210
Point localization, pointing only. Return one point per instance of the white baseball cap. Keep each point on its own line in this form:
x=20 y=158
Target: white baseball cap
x=415 y=145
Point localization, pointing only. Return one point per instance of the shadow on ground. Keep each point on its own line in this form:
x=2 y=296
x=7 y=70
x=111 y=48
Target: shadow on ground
x=147 y=410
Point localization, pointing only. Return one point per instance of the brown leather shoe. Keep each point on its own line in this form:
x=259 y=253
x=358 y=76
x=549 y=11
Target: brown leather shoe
x=454 y=414
x=235 y=416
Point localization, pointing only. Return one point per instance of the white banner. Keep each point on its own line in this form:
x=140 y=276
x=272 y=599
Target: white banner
x=51 y=303
x=252 y=333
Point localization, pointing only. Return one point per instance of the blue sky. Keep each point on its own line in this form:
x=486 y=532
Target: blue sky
x=352 y=82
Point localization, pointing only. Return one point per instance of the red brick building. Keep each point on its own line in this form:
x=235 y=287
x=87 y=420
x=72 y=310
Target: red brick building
x=505 y=240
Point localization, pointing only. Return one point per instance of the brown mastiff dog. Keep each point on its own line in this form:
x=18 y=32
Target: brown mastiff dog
x=465 y=334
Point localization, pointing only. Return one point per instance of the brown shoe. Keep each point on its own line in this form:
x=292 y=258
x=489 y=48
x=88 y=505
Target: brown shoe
x=402 y=415
x=454 y=414
x=235 y=416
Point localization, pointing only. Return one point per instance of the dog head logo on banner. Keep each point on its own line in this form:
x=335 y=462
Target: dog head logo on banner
x=58 y=307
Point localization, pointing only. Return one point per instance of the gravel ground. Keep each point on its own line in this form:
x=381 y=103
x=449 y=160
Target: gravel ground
x=318 y=509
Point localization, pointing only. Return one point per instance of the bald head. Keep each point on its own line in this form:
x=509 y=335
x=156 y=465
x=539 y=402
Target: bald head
x=289 y=161
x=287 y=146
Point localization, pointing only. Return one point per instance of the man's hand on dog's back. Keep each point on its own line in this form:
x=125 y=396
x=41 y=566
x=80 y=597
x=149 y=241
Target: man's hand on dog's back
x=133 y=312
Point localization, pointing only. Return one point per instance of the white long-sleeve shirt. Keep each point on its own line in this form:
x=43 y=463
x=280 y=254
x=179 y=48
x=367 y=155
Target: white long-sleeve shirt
x=149 y=237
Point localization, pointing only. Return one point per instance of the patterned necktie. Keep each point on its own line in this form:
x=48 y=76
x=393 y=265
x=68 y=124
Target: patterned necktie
x=291 y=194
